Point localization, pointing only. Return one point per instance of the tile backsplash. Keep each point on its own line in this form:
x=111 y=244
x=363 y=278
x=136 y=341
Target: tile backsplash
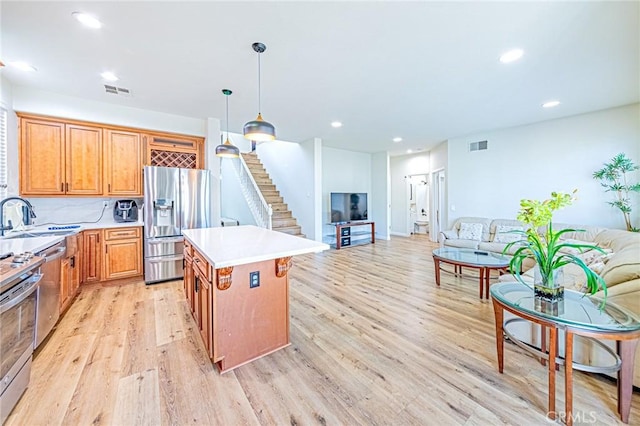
x=72 y=211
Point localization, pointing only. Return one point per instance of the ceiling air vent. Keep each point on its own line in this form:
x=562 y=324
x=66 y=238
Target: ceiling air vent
x=478 y=146
x=117 y=90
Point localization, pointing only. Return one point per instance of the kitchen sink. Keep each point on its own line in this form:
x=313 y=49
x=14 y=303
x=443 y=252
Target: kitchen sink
x=41 y=234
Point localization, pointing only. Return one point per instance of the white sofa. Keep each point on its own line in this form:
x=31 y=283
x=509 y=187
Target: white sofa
x=493 y=237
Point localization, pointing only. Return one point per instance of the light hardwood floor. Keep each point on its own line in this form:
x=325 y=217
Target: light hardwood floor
x=373 y=342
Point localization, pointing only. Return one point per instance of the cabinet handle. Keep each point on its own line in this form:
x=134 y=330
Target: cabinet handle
x=196 y=260
x=196 y=280
x=106 y=249
x=72 y=262
x=109 y=186
x=61 y=186
x=66 y=186
x=98 y=238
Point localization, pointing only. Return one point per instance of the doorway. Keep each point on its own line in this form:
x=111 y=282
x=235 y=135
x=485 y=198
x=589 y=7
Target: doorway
x=418 y=199
x=438 y=219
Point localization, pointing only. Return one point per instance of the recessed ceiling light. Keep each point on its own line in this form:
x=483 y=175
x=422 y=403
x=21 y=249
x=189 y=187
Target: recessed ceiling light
x=550 y=104
x=87 y=20
x=336 y=124
x=511 y=55
x=23 y=66
x=409 y=151
x=109 y=76
x=397 y=139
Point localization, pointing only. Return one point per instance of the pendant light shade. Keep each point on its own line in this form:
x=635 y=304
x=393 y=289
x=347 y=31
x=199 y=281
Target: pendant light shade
x=259 y=130
x=227 y=149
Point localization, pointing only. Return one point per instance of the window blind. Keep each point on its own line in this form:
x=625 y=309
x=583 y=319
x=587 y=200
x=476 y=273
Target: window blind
x=4 y=183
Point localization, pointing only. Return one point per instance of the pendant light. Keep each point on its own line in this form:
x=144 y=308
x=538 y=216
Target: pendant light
x=227 y=149
x=258 y=129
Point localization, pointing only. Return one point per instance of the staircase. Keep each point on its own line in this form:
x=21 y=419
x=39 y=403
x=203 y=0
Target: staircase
x=282 y=220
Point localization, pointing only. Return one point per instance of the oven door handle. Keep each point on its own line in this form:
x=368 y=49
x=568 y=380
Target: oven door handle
x=58 y=253
x=34 y=280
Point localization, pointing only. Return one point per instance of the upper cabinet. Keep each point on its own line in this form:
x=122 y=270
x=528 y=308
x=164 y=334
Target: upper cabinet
x=60 y=157
x=123 y=163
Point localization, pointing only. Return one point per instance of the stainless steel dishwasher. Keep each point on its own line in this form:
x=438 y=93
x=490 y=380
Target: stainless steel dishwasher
x=48 y=310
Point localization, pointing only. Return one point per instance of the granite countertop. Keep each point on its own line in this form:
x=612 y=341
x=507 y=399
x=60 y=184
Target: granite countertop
x=239 y=245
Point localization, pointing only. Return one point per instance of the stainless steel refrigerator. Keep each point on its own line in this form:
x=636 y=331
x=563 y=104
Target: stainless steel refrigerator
x=174 y=199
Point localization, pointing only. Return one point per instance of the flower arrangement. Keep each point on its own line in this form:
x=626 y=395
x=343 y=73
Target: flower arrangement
x=547 y=249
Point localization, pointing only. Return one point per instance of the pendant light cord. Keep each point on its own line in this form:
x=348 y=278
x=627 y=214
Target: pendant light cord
x=259 y=88
x=227 y=96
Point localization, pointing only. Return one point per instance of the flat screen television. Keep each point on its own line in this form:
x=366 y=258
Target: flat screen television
x=348 y=206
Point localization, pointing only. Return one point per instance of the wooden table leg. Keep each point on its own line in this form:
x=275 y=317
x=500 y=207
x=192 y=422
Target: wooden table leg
x=627 y=353
x=543 y=342
x=436 y=263
x=487 y=282
x=568 y=377
x=499 y=317
x=481 y=282
x=552 y=372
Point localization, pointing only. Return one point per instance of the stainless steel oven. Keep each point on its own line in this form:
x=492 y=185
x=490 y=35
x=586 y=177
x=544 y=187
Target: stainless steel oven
x=18 y=304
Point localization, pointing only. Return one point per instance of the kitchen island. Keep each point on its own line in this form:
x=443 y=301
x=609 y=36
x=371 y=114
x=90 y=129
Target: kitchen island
x=237 y=286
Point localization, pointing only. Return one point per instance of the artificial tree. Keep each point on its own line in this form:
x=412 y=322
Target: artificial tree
x=613 y=177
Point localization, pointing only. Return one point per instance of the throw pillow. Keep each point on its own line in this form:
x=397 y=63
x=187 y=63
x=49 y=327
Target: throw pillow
x=470 y=231
x=451 y=234
x=504 y=236
x=597 y=267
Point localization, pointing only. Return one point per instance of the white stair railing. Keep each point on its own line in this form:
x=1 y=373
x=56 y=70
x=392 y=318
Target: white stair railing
x=261 y=211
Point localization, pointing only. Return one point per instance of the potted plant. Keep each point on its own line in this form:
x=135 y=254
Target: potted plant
x=613 y=177
x=546 y=250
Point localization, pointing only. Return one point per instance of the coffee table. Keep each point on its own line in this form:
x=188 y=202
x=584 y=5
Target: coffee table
x=484 y=261
x=580 y=316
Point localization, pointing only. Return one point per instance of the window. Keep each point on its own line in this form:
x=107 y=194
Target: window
x=4 y=184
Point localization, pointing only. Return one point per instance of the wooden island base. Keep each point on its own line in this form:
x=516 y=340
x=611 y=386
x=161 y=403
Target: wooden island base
x=249 y=323
x=237 y=287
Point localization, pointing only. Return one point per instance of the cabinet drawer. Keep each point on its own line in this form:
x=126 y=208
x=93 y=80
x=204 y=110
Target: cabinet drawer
x=121 y=233
x=200 y=263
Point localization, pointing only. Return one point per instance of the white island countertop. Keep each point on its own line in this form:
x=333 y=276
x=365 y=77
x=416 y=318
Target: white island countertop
x=239 y=245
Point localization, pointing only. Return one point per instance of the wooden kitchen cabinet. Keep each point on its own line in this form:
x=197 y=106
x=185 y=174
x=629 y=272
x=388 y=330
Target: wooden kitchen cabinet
x=122 y=253
x=70 y=272
x=203 y=312
x=174 y=151
x=123 y=163
x=65 y=284
x=57 y=158
x=91 y=256
x=188 y=276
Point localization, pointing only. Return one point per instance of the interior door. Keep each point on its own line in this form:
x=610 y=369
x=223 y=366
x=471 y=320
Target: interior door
x=438 y=213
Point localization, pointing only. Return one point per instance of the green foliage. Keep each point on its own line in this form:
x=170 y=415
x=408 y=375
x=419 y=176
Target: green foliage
x=613 y=177
x=545 y=249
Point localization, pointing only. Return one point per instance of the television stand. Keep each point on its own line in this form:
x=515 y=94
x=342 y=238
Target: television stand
x=345 y=236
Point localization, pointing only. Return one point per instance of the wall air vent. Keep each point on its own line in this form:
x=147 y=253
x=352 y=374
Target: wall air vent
x=478 y=146
x=117 y=90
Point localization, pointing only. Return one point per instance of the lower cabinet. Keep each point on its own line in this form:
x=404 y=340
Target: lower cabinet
x=199 y=291
x=70 y=271
x=92 y=256
x=122 y=253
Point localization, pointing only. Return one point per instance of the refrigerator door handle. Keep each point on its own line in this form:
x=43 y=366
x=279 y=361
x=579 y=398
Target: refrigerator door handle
x=165 y=259
x=165 y=240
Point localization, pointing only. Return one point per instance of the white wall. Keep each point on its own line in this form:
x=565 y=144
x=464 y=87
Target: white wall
x=534 y=160
x=401 y=167
x=234 y=205
x=6 y=98
x=36 y=101
x=343 y=171
x=380 y=194
x=292 y=168
x=438 y=163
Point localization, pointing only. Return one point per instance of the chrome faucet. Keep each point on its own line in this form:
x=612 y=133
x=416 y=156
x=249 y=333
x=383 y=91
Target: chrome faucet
x=3 y=228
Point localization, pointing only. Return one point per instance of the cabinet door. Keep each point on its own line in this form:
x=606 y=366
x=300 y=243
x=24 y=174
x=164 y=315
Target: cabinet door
x=41 y=157
x=122 y=258
x=206 y=320
x=65 y=284
x=123 y=162
x=188 y=282
x=83 y=160
x=91 y=256
x=197 y=288
x=76 y=265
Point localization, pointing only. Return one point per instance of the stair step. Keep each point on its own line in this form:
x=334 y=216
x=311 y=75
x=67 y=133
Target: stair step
x=281 y=214
x=279 y=207
x=266 y=187
x=292 y=230
x=273 y=200
x=283 y=222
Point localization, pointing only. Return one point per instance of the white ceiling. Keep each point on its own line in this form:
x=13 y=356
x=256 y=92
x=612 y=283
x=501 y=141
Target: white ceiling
x=425 y=71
